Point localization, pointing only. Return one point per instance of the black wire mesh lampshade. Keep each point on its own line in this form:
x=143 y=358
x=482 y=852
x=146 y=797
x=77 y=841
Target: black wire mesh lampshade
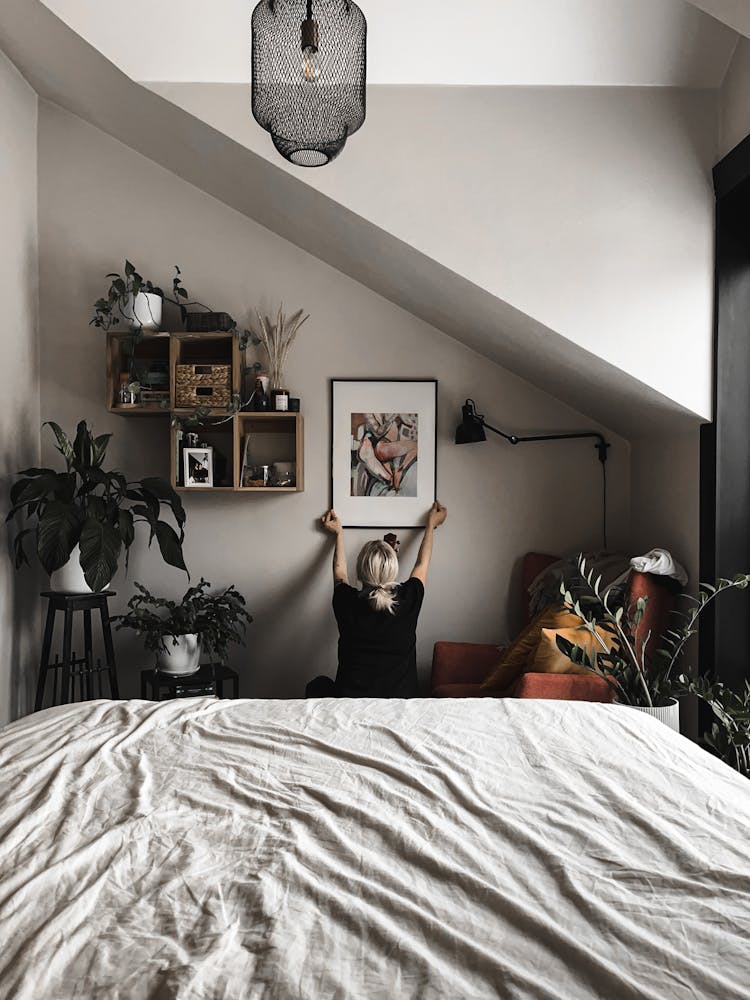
x=309 y=69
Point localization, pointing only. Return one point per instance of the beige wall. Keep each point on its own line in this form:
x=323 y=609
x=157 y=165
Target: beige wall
x=665 y=484
x=19 y=387
x=100 y=201
x=734 y=100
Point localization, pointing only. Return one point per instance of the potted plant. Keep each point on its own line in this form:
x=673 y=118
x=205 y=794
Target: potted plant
x=177 y=632
x=139 y=301
x=130 y=297
x=649 y=683
x=85 y=517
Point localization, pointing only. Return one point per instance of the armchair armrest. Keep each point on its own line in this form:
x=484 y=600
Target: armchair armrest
x=461 y=663
x=562 y=687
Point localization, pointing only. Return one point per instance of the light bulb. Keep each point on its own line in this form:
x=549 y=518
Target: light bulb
x=310 y=64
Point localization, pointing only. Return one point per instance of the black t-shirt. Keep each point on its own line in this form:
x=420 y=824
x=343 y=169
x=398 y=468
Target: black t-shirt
x=377 y=650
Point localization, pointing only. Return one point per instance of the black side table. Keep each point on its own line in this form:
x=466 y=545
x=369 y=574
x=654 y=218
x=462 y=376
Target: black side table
x=207 y=681
x=72 y=668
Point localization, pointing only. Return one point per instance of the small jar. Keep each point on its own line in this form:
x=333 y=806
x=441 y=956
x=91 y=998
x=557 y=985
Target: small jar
x=280 y=400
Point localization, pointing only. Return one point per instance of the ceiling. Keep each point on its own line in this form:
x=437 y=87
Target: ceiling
x=669 y=43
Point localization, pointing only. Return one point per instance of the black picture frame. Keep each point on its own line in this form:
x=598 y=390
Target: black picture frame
x=424 y=501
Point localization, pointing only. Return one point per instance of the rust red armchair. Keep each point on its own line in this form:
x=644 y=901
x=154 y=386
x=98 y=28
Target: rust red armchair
x=458 y=668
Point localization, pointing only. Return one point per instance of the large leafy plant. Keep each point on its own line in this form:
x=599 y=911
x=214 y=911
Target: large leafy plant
x=218 y=619
x=88 y=506
x=636 y=676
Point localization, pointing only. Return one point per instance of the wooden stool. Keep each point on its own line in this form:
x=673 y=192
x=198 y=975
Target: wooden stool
x=70 y=667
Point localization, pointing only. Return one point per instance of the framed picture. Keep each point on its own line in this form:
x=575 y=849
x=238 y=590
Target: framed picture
x=198 y=466
x=383 y=451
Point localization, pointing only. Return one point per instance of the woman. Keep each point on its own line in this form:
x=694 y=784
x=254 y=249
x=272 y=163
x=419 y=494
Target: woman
x=377 y=624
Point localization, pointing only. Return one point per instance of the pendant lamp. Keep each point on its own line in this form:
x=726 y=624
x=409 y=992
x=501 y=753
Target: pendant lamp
x=309 y=69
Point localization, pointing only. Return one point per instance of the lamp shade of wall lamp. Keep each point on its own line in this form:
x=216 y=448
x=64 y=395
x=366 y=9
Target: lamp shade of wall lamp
x=471 y=428
x=309 y=75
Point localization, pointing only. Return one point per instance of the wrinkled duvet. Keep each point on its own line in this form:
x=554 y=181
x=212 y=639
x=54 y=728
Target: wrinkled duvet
x=368 y=849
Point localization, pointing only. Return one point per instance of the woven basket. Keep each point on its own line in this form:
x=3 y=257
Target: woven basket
x=202 y=395
x=205 y=374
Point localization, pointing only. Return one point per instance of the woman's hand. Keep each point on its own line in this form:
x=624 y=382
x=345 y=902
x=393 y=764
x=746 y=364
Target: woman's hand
x=437 y=515
x=331 y=523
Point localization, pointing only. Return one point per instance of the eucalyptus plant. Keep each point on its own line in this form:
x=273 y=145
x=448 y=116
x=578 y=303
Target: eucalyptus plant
x=88 y=506
x=623 y=662
x=218 y=619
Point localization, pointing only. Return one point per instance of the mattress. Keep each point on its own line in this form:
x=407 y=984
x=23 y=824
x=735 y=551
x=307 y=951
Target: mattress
x=368 y=849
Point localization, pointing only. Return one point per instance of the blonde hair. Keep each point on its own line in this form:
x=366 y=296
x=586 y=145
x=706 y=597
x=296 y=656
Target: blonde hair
x=377 y=567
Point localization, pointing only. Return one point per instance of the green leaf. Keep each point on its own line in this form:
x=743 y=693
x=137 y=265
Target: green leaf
x=57 y=534
x=63 y=441
x=127 y=528
x=19 y=552
x=170 y=545
x=100 y=550
x=159 y=488
x=129 y=269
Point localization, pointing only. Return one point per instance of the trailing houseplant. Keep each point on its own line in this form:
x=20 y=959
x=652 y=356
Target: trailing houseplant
x=212 y=621
x=138 y=301
x=637 y=677
x=90 y=513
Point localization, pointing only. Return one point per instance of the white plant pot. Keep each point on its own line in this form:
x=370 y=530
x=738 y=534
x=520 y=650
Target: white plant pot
x=668 y=714
x=144 y=313
x=182 y=657
x=69 y=579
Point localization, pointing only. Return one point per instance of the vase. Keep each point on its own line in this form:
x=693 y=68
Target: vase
x=669 y=714
x=182 y=655
x=143 y=312
x=69 y=579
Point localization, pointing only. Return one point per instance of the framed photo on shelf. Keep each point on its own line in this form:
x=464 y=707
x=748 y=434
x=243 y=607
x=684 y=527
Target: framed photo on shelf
x=198 y=467
x=383 y=451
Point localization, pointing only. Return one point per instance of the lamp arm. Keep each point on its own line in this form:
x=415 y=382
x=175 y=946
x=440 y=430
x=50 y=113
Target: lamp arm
x=514 y=439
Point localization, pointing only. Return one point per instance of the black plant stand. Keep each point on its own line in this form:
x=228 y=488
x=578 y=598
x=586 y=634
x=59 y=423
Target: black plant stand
x=207 y=681
x=71 y=669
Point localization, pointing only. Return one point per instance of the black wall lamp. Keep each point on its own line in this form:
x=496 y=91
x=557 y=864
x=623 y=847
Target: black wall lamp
x=473 y=425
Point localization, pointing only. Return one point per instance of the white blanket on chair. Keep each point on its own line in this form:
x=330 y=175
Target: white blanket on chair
x=660 y=562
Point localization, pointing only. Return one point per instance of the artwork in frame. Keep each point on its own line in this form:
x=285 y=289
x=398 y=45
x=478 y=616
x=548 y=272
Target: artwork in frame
x=383 y=451
x=199 y=467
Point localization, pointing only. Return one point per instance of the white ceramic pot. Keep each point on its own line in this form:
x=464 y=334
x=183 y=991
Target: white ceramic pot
x=182 y=657
x=145 y=312
x=668 y=714
x=69 y=579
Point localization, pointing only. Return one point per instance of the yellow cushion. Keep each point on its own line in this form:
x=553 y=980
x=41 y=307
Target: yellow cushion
x=547 y=658
x=514 y=660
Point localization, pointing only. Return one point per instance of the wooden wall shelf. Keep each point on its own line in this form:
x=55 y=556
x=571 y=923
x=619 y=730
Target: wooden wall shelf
x=270 y=437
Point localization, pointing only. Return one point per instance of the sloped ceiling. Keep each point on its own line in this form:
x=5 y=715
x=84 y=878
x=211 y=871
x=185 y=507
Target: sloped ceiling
x=65 y=69
x=734 y=13
x=587 y=43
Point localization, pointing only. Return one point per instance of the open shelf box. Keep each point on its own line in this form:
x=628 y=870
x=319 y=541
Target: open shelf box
x=265 y=439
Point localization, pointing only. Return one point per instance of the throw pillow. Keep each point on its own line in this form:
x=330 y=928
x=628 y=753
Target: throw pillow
x=514 y=660
x=547 y=658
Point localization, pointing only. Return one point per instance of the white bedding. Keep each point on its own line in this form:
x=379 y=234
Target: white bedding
x=368 y=849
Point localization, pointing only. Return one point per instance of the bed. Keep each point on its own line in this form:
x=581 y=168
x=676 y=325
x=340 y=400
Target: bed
x=368 y=849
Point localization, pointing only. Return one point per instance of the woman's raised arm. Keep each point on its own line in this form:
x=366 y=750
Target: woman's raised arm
x=332 y=524
x=437 y=514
